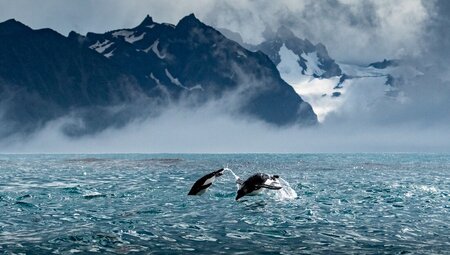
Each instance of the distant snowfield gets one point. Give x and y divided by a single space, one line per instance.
319 93
322 94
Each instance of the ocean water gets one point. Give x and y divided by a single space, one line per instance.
138 204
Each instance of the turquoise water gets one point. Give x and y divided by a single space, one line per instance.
137 204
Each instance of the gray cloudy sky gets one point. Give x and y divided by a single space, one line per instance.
353 31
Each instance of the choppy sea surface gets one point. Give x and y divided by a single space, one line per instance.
138 204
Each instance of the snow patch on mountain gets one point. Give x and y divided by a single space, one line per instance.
123 33
312 64
241 54
154 78
197 86
178 83
291 69
128 35
101 47
174 80
154 48
288 67
109 54
133 38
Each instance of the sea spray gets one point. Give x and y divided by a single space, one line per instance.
231 171
286 193
235 176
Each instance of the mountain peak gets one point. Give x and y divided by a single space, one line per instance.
189 20
147 21
76 37
13 26
191 17
73 34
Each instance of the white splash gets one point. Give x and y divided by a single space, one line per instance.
235 176
231 171
286 193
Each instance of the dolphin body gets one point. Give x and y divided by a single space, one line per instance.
202 184
255 183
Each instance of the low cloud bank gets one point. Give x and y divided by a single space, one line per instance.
209 130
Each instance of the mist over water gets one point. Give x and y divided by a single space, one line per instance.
210 130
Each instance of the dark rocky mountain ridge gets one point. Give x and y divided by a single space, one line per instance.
44 75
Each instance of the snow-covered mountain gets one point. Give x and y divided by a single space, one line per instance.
330 86
312 60
357 86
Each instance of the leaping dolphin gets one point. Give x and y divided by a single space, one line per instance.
254 184
202 184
